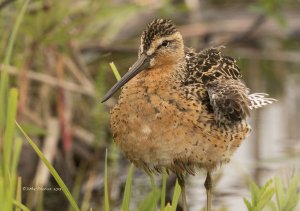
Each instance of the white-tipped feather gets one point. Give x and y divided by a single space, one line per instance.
258 100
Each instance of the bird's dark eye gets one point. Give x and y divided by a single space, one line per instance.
165 43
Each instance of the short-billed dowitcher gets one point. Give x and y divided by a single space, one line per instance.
180 109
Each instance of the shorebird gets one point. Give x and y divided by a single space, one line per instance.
179 109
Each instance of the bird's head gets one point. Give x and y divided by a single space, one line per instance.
161 44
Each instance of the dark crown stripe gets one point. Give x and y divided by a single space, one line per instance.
157 28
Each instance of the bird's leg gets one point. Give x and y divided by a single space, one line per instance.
181 182
208 187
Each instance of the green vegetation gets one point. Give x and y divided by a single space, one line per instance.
259 197
52 170
262 198
55 59
287 198
10 143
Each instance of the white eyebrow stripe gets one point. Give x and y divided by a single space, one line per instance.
157 42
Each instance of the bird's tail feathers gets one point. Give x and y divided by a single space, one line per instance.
258 100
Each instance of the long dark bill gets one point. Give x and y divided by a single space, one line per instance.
141 64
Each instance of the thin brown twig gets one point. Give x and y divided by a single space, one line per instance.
23 81
61 103
70 65
93 47
52 81
76 54
83 135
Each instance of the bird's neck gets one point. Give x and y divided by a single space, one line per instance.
164 72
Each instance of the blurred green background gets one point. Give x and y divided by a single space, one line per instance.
60 65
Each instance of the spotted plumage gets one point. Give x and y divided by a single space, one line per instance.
221 78
180 109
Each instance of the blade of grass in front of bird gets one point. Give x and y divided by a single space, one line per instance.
176 194
127 191
115 71
51 169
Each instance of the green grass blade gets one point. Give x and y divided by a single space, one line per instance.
77 184
279 192
127 191
248 204
15 161
40 202
254 193
292 196
150 201
152 182
271 206
8 53
52 170
20 205
115 71
155 191
88 192
163 190
176 194
16 155
168 207
12 38
265 198
9 132
19 193
3 200
3 91
106 196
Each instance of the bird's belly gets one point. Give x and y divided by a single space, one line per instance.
155 132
